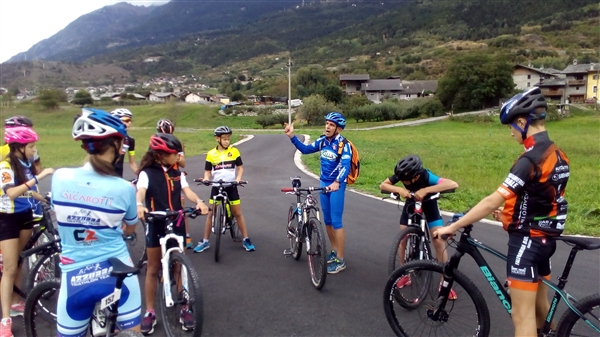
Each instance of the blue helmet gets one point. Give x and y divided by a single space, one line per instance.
337 118
98 124
523 104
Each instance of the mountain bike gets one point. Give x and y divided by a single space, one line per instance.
179 283
136 242
41 305
222 219
304 225
469 314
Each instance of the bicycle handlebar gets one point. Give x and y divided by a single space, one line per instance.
189 212
434 196
220 182
308 189
39 248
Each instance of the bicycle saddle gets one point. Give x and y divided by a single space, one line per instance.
121 269
582 243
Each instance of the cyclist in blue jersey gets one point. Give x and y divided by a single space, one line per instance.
421 182
333 176
19 177
91 204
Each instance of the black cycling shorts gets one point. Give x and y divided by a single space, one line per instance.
430 210
232 194
157 229
528 258
11 224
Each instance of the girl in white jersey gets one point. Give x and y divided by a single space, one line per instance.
91 203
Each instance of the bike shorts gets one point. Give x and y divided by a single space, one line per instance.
82 288
431 211
332 204
156 230
11 224
232 194
528 259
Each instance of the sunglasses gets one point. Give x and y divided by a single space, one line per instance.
126 120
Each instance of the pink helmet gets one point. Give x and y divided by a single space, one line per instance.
20 134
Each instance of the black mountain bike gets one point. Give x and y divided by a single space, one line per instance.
40 308
436 315
304 226
222 219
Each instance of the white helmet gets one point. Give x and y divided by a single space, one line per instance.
97 124
122 113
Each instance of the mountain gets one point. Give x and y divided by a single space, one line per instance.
79 39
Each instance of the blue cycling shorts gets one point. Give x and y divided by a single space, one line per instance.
332 204
83 287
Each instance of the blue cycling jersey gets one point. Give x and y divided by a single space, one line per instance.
90 209
332 168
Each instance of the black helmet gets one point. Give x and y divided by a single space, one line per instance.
524 103
222 130
165 142
15 121
408 167
165 126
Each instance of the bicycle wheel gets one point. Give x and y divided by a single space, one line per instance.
218 223
571 324
236 234
316 250
292 233
47 267
187 295
130 333
467 315
40 309
44 237
415 243
136 244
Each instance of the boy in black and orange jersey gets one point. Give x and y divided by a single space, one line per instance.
534 209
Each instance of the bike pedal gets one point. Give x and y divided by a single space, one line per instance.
287 253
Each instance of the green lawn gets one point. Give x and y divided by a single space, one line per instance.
478 157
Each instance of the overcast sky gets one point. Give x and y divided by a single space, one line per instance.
24 23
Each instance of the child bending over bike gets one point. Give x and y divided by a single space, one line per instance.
91 204
225 163
159 186
419 183
534 209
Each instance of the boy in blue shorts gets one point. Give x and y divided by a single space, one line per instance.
418 184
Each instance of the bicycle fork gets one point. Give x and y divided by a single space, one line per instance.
166 253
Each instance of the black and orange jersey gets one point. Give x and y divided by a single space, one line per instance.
534 189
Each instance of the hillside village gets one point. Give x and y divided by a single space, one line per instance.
577 83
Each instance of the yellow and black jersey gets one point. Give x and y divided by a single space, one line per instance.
223 163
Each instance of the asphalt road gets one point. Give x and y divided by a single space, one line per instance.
263 293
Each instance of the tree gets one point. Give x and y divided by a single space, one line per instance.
237 97
475 80
333 94
82 97
51 98
315 108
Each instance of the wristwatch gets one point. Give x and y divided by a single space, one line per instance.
140 204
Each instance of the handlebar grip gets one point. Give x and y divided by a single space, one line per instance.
287 189
445 237
39 248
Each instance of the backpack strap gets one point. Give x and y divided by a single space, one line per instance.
341 147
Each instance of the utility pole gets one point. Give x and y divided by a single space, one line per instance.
289 64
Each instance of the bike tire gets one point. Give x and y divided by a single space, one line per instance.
476 322
137 246
218 223
414 243
129 333
192 297
46 267
295 238
590 307
236 234
317 255
44 237
40 312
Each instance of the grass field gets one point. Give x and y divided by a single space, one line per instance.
478 157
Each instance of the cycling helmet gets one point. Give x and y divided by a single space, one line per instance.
524 103
165 126
18 121
97 124
222 130
20 134
408 167
165 142
122 113
337 118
